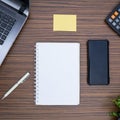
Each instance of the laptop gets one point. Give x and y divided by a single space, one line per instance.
13 15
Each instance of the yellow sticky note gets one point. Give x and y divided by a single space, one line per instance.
62 22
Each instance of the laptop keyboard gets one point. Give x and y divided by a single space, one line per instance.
6 24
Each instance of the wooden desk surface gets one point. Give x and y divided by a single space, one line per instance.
95 100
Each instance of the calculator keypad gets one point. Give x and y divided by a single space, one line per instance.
113 19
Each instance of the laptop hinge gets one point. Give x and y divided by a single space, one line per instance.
22 9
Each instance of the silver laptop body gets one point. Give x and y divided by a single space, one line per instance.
13 15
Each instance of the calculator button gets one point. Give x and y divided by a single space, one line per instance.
119 10
119 16
114 24
117 27
113 16
110 20
116 13
117 20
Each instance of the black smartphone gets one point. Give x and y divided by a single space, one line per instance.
98 62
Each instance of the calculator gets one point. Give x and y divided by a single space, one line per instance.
113 19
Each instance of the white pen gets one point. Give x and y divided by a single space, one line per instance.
16 85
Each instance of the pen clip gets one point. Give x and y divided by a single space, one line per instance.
25 77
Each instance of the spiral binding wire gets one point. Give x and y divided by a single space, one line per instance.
36 83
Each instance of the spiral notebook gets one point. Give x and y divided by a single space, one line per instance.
57 69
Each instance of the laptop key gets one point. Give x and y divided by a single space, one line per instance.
6 32
1 42
0 34
4 25
5 20
11 19
12 23
3 37
1 30
9 28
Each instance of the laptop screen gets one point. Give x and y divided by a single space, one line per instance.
26 2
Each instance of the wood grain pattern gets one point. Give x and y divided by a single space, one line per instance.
95 100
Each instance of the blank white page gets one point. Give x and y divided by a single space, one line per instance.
57 73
